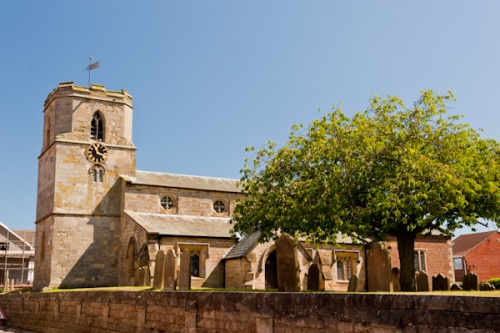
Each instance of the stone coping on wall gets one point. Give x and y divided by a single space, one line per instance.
151 311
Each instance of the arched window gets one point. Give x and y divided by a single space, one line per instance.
97 127
97 172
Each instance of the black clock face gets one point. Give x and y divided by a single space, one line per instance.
97 153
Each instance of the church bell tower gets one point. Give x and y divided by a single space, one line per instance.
87 146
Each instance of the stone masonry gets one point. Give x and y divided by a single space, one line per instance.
224 312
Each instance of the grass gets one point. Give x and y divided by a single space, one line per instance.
474 293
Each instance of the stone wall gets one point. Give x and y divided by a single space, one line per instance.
107 311
144 198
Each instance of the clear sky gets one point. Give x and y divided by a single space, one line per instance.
209 78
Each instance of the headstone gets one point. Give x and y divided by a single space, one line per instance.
440 282
140 280
137 276
185 271
142 276
313 277
379 268
396 286
158 279
353 284
288 264
471 282
484 286
170 271
455 287
422 281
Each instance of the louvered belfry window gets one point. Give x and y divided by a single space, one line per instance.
97 128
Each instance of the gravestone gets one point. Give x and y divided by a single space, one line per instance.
185 271
379 268
471 282
313 277
158 279
455 287
440 282
353 284
145 281
484 286
422 281
142 276
396 286
288 264
170 274
136 277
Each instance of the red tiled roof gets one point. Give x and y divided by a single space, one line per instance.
465 243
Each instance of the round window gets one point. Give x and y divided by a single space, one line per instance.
219 206
167 202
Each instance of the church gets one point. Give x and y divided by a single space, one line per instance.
99 220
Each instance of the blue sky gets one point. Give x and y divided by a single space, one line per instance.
212 77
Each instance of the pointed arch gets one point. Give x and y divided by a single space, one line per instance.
271 271
143 256
132 262
97 127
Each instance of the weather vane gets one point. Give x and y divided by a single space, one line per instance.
91 66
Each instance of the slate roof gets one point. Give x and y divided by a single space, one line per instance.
184 181
463 244
182 225
243 246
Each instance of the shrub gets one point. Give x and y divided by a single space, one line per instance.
495 282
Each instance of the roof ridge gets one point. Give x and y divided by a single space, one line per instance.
187 175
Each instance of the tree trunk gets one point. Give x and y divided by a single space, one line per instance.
406 249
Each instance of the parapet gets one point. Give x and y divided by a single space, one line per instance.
95 91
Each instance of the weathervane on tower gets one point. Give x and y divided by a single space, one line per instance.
91 66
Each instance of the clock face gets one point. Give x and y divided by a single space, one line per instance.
97 153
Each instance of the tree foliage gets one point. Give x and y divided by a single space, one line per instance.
387 171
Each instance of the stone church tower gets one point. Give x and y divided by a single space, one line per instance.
87 146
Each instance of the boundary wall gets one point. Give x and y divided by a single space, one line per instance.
147 311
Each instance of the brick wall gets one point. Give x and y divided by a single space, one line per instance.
438 255
107 311
484 260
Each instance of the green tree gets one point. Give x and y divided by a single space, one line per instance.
387 171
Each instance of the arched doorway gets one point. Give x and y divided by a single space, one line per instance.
313 277
271 271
